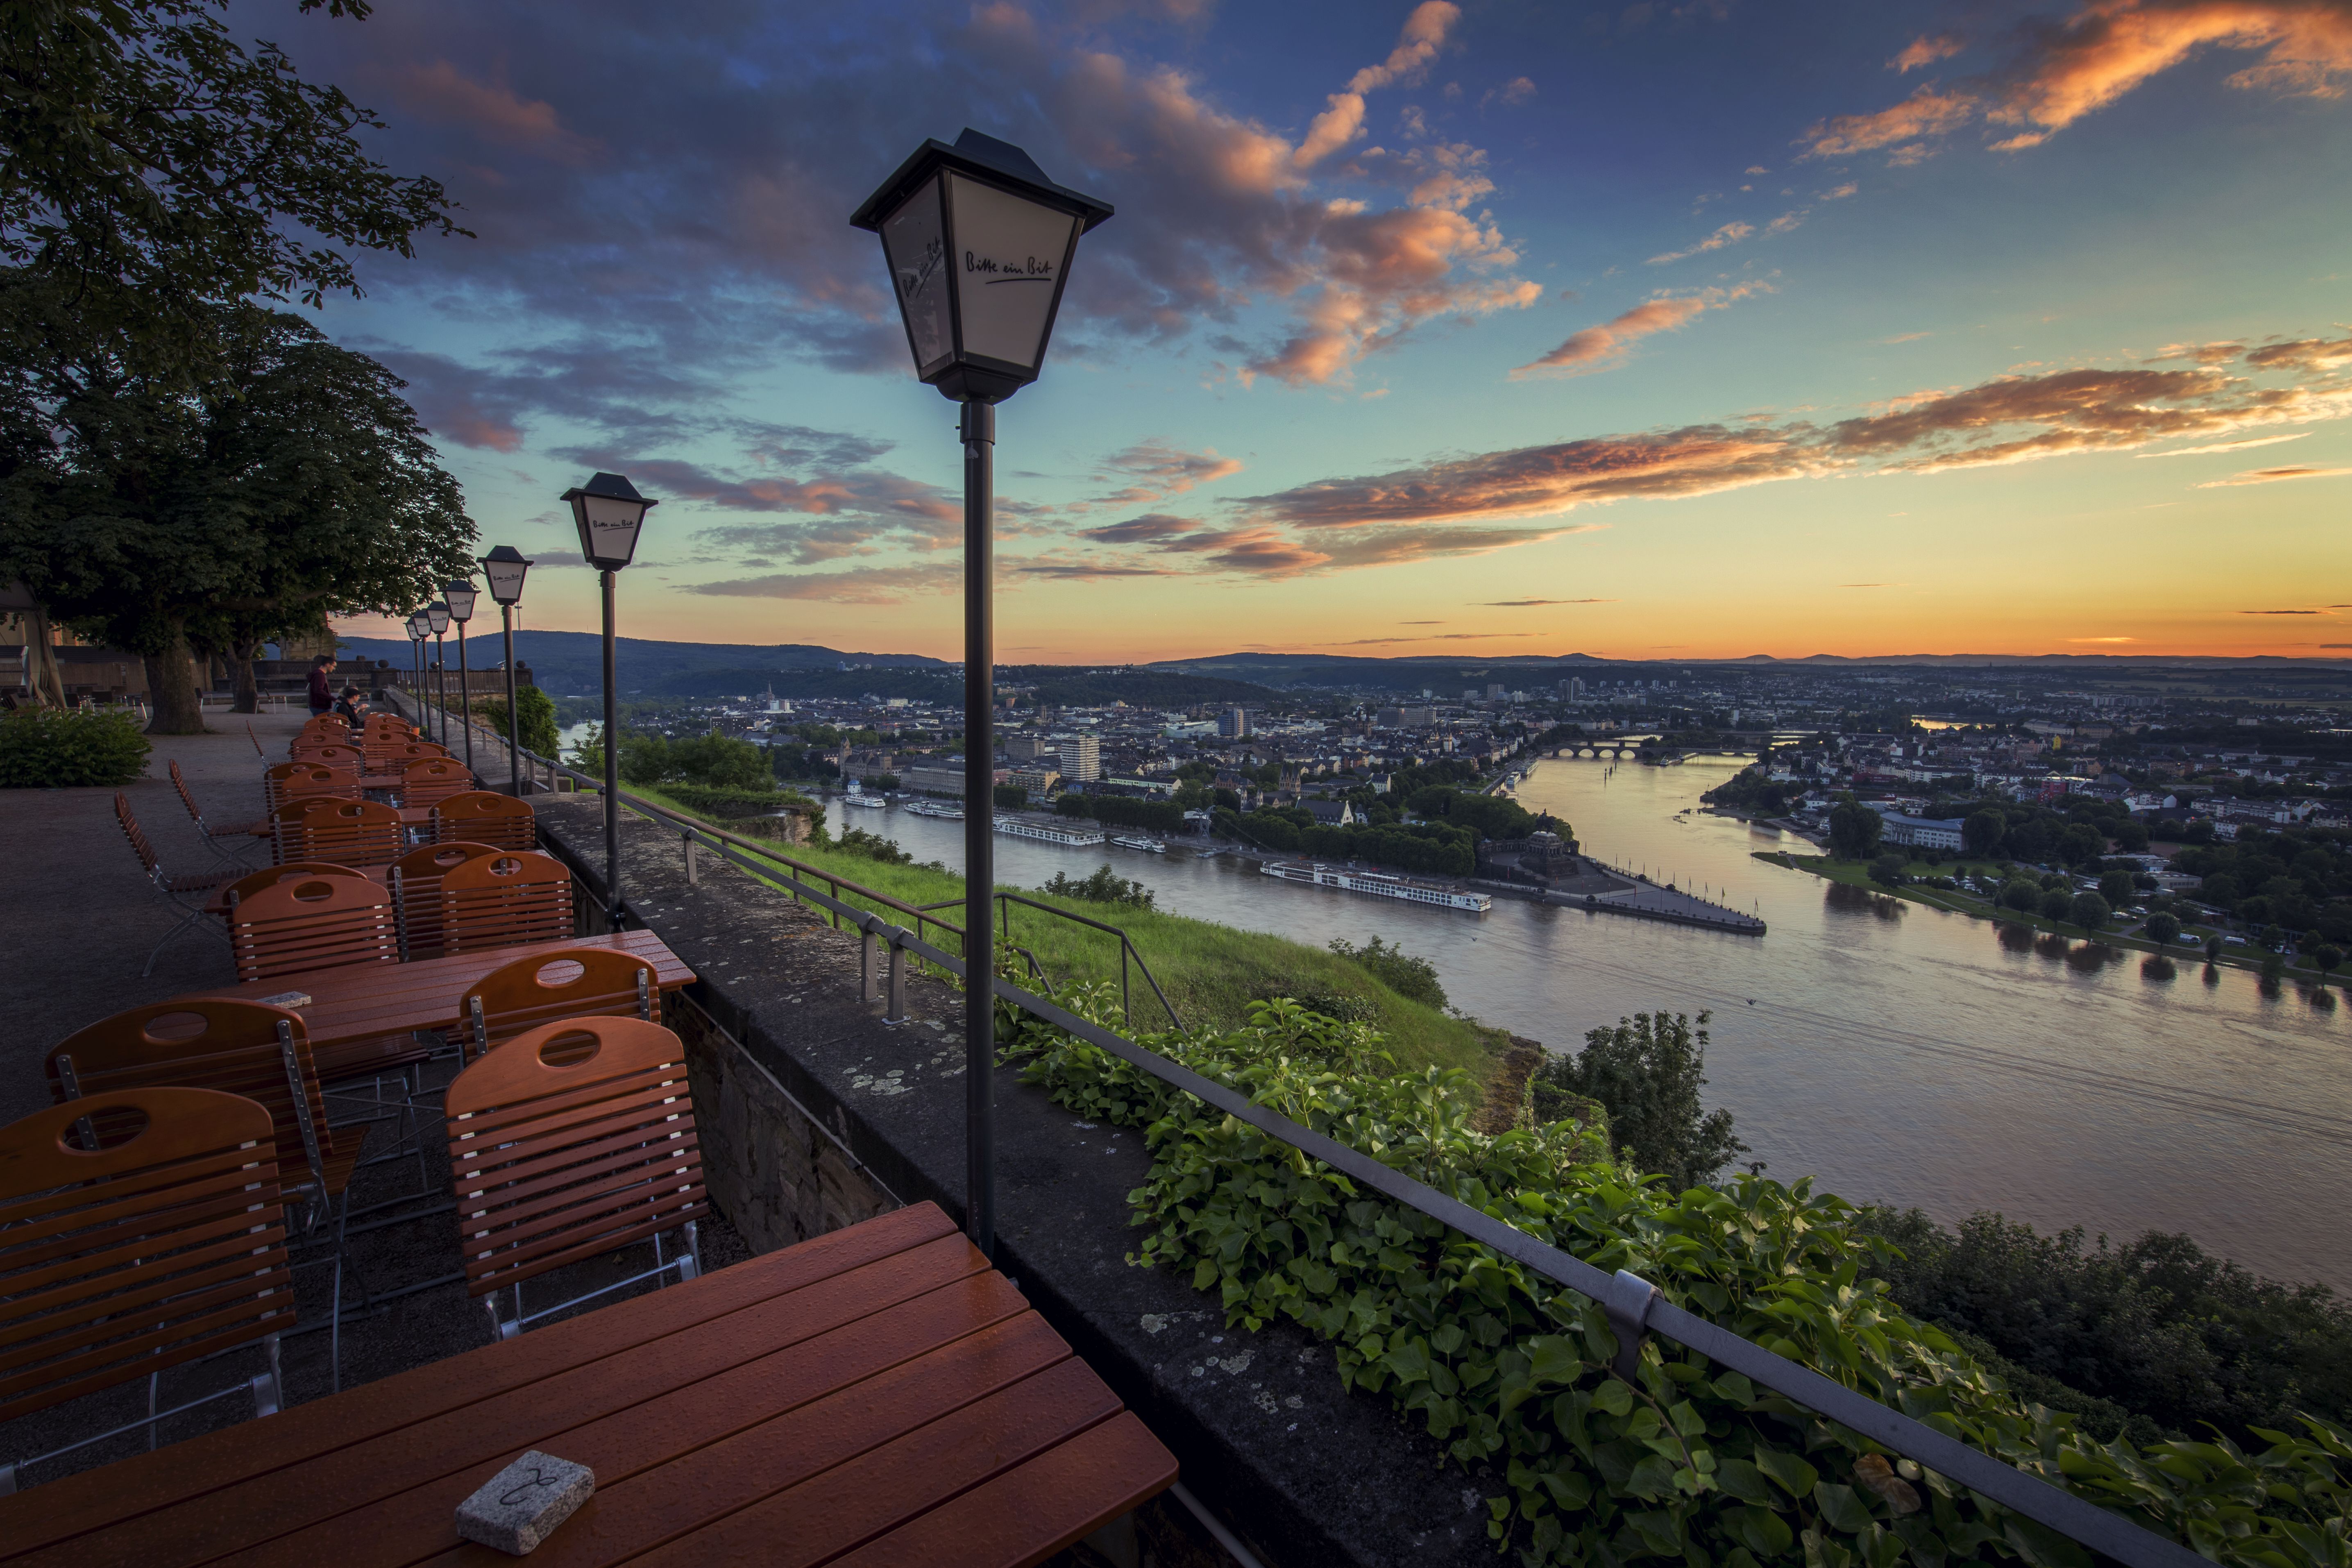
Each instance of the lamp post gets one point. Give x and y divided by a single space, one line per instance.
609 513
436 615
419 629
979 244
460 597
505 566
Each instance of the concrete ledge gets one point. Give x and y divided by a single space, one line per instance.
815 1112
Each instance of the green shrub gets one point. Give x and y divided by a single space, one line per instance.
1400 971
1509 1370
41 747
536 726
1104 887
1646 1073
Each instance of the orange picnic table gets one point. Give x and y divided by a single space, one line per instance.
362 1016
875 1395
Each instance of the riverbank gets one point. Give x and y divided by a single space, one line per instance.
2120 934
1210 972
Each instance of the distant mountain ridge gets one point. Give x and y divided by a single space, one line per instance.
572 663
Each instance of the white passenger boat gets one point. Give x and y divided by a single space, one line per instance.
854 798
1133 841
1046 831
935 808
1379 885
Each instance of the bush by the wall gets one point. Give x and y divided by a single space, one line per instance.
42 748
1688 1462
535 718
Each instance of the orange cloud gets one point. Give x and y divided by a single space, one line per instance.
2273 477
1343 122
2105 51
1730 234
1606 346
1925 51
492 110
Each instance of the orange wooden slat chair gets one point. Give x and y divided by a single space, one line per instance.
252 882
429 781
327 755
415 883
516 998
570 1141
312 923
481 817
341 832
232 841
124 1261
307 781
187 895
504 900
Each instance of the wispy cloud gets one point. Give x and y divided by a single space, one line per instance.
1525 604
1730 234
2241 445
2273 477
1607 346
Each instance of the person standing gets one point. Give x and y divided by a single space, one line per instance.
322 692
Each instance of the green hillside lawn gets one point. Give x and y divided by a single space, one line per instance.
1211 973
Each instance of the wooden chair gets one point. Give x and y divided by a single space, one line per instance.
307 781
504 900
312 923
258 750
428 780
252 882
340 832
480 816
575 1138
415 884
232 841
515 998
186 895
243 1049
332 755
125 1260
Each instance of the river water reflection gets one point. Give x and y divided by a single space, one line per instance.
1897 1052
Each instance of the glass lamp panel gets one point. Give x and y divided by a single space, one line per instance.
436 615
608 528
1010 256
506 579
460 595
915 244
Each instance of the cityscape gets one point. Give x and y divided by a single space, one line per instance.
1591 803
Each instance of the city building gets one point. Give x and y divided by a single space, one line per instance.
1080 759
930 779
1233 723
1038 781
1027 748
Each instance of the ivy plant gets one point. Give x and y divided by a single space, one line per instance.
1510 1371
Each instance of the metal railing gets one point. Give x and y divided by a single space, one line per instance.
1635 1308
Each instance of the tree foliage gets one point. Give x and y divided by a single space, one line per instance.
156 169
1646 1073
1855 829
1105 885
288 482
1408 975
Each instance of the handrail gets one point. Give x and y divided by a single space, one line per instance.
1634 1306
1005 899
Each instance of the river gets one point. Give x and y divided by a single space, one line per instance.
1900 1054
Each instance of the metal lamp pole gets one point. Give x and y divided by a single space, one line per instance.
610 514
460 595
979 244
612 767
439 614
505 567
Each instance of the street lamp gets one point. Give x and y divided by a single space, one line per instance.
979 243
436 615
460 595
505 567
609 513
419 629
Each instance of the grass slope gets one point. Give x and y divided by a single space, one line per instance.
1211 973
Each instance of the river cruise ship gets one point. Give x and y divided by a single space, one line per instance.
1379 885
1047 832
1135 841
935 808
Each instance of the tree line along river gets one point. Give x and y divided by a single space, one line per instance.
1898 1053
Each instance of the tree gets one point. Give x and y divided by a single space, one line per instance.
1855 829
2163 929
2089 910
2057 904
2327 957
154 170
1888 868
2116 887
1410 976
288 482
2020 895
1647 1072
2080 843
1982 832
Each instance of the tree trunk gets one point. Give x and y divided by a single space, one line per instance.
249 691
172 686
41 656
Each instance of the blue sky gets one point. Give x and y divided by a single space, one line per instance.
1701 330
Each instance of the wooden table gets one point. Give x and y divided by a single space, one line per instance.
876 1395
362 1016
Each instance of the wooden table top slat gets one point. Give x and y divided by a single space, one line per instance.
1026 1514
649 1435
852 1504
62 1510
250 1513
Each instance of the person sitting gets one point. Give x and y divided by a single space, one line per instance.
352 707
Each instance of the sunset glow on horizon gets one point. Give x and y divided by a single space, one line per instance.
1465 330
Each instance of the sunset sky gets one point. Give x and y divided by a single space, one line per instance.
1661 330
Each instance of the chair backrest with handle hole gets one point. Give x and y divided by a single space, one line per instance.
307 780
314 923
482 816
247 1049
570 1141
574 983
415 883
245 887
428 780
343 832
504 900
120 1261
333 754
